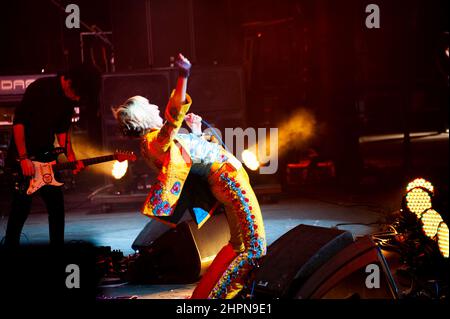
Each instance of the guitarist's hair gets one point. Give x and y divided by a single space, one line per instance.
136 116
86 82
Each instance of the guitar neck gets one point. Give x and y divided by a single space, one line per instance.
86 162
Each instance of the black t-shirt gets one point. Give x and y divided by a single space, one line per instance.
44 111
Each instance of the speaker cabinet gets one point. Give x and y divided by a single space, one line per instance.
218 96
311 262
295 256
179 255
346 275
151 232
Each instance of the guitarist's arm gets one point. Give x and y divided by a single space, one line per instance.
64 139
22 118
19 139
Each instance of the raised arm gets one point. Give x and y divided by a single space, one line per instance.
184 67
178 105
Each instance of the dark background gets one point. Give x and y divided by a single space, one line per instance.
317 55
255 64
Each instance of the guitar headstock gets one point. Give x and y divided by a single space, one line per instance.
124 156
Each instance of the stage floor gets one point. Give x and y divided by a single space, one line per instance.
120 227
377 197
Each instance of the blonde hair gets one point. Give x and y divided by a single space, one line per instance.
137 115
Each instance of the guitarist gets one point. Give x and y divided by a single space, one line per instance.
45 112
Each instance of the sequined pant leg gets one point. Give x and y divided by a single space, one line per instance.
233 190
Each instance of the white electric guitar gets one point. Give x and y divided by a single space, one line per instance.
44 171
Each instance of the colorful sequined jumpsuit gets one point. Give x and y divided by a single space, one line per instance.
230 185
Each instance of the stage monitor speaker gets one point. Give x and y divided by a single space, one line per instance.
296 255
311 262
151 232
179 255
359 271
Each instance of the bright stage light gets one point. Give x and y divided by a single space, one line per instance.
430 222
443 239
250 160
418 200
420 182
119 169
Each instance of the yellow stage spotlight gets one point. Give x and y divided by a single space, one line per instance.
430 222
418 200
443 239
420 182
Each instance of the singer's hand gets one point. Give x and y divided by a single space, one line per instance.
183 65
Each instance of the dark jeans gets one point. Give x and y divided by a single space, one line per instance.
21 206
